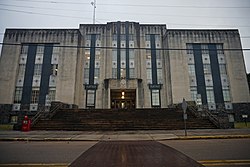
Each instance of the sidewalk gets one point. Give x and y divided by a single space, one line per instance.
124 135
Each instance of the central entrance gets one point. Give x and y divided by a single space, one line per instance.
123 99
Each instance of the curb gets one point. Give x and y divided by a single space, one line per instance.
96 140
214 137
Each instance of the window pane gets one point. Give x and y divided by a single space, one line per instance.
52 94
97 73
149 73
191 69
155 97
189 49
90 98
114 55
210 95
21 69
114 73
207 68
86 73
226 95
18 95
34 95
40 48
24 49
159 73
223 69
38 69
132 73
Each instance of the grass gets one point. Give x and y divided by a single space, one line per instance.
241 125
6 127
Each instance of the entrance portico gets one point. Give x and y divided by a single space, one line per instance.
123 99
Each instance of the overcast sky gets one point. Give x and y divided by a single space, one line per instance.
175 14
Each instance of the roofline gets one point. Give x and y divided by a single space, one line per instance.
196 29
40 29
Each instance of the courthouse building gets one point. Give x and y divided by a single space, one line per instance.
122 65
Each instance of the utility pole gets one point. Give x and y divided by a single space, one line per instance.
94 5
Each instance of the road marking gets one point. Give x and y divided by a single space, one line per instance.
224 162
36 165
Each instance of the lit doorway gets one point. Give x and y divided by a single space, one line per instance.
123 99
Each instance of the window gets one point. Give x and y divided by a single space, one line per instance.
13 119
159 74
37 69
147 37
190 49
24 49
90 98
18 95
40 49
88 37
191 69
131 37
223 69
131 54
114 37
158 54
114 55
87 54
193 91
35 95
204 49
220 49
86 73
123 37
114 73
155 95
97 73
52 94
207 68
157 38
210 95
54 69
149 73
131 73
21 70
226 95
56 49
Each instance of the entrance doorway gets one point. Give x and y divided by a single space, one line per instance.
123 99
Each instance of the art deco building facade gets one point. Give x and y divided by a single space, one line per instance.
122 65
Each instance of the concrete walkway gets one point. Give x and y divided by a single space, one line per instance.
123 135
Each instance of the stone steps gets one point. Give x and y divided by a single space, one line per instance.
147 119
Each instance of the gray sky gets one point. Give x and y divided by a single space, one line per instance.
175 14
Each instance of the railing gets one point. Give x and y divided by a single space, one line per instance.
213 119
54 110
193 108
42 112
37 116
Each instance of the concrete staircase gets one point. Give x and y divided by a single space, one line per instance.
107 119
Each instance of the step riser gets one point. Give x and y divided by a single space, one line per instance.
147 119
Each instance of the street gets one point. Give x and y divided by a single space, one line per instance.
212 152
217 150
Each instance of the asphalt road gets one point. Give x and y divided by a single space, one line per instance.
212 152
215 152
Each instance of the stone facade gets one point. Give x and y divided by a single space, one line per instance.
120 65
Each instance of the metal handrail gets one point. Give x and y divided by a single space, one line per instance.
213 118
42 112
54 110
35 118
